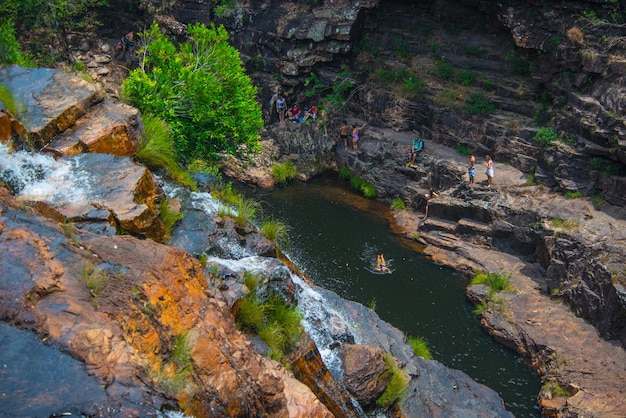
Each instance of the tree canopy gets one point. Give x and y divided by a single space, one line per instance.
200 89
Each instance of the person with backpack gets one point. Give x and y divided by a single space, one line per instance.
416 148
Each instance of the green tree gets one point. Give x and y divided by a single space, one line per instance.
200 89
51 20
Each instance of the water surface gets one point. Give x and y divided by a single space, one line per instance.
335 237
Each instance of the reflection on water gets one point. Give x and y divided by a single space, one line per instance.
335 237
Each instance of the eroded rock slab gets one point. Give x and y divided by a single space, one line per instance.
52 100
109 128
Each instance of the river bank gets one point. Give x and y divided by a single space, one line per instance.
516 228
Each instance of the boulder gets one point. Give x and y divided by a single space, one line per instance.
365 372
53 100
109 128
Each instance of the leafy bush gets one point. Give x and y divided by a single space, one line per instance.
444 70
156 151
545 136
200 90
284 172
10 49
420 347
478 103
463 150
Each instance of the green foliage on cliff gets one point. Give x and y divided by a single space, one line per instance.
200 89
545 136
496 282
420 347
156 151
276 231
272 319
10 49
284 172
51 20
397 386
358 183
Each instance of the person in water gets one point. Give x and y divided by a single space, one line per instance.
381 264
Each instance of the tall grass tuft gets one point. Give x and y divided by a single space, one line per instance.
284 172
246 211
156 151
496 282
420 347
250 314
357 183
397 386
251 280
397 204
96 280
169 217
276 231
276 322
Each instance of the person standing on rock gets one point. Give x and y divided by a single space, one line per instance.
344 132
281 108
471 170
355 135
489 170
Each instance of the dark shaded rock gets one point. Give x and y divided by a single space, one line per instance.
38 380
364 372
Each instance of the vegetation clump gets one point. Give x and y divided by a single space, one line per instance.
156 151
200 89
271 318
284 172
276 231
398 384
420 347
368 190
169 217
545 136
398 204
496 282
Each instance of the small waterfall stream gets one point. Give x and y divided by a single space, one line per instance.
66 180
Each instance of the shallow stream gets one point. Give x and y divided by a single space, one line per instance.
335 237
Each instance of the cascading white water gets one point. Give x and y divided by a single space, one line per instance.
319 321
33 176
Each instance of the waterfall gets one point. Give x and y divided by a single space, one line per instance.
32 176
324 325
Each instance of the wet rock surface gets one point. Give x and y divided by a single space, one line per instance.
38 380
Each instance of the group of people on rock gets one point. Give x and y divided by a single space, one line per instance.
471 170
296 115
351 134
345 131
